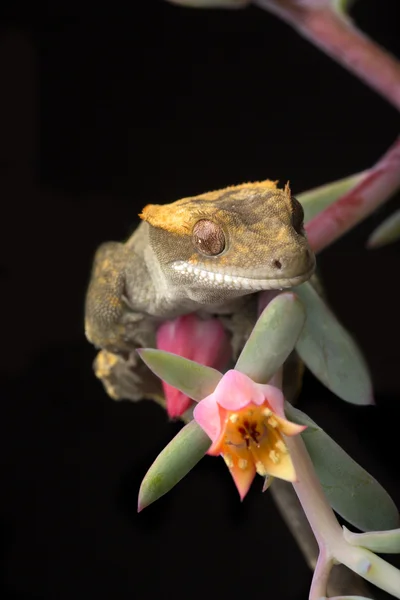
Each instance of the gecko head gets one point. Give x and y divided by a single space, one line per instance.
243 238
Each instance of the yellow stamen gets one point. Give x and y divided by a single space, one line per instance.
260 468
234 417
243 463
273 422
228 460
281 446
274 457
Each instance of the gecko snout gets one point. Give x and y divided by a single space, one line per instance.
294 264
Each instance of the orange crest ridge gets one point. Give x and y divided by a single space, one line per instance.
174 217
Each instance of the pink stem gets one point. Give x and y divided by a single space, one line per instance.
312 498
378 185
320 578
335 34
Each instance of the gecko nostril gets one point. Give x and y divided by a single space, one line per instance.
277 264
310 255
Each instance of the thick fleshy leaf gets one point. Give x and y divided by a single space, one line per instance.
273 338
316 200
384 542
377 186
176 460
191 378
330 352
352 492
387 232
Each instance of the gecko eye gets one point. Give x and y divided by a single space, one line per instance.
297 215
208 238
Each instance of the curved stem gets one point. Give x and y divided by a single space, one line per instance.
335 34
313 500
328 533
370 566
342 580
321 575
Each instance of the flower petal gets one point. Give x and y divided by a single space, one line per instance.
203 341
273 463
177 401
289 428
243 478
274 398
236 390
243 420
207 414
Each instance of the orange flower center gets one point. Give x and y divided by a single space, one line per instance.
252 439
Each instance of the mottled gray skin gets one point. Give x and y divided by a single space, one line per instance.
256 242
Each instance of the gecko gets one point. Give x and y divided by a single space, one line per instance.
210 254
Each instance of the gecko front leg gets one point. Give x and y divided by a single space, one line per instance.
127 379
112 324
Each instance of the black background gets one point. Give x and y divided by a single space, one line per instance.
106 109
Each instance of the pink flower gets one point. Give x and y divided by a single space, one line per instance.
246 423
203 341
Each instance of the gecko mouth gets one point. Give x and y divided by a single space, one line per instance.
238 282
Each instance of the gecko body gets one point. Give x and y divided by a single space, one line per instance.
208 254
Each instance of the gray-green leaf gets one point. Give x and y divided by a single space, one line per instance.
172 464
387 232
352 492
188 376
384 542
273 338
330 352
